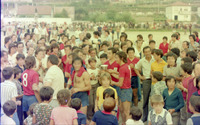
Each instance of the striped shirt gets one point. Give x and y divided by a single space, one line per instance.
8 91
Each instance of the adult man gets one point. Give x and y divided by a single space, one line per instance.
54 78
144 66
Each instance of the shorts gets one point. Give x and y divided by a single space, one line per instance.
117 89
83 96
27 101
126 95
134 82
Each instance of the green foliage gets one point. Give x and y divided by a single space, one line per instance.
81 14
160 17
63 14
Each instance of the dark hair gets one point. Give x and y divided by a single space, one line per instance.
122 55
108 92
30 62
88 35
130 42
122 35
168 78
109 104
68 46
165 38
192 55
114 50
171 54
92 49
140 36
53 59
135 113
197 82
37 51
104 55
52 41
158 52
26 34
195 102
9 107
157 75
105 43
16 71
187 67
74 55
11 45
48 48
187 43
146 47
19 44
107 32
150 35
7 72
193 36
84 39
76 103
7 39
91 60
187 60
96 33
174 35
176 51
123 44
55 45
77 59
74 48
196 33
152 41
116 44
129 49
46 93
63 96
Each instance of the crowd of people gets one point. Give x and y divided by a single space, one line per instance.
52 76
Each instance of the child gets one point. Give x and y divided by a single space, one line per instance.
159 115
105 117
135 116
42 111
164 46
173 99
20 58
105 80
93 72
104 48
103 58
29 119
76 104
194 106
152 44
39 54
30 81
63 115
67 52
9 108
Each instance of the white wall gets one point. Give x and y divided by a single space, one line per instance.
30 20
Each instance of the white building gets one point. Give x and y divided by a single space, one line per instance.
178 11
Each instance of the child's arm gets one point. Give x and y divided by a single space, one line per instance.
75 122
20 96
34 119
51 122
92 123
120 83
96 104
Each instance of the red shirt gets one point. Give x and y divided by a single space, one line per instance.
134 61
164 48
62 46
29 77
191 90
68 68
113 66
64 58
125 72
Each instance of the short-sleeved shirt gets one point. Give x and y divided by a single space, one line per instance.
99 93
81 118
164 48
64 58
104 118
42 113
168 116
191 90
68 68
125 72
19 86
114 66
185 85
95 72
5 120
173 71
29 77
133 122
63 115
191 47
134 62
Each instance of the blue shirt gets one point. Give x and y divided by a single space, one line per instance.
196 93
81 118
173 101
102 118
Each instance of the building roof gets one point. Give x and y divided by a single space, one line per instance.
30 10
178 3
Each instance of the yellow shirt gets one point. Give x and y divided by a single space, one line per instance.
99 95
155 66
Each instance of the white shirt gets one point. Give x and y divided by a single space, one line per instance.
132 122
95 72
12 59
145 66
5 120
55 76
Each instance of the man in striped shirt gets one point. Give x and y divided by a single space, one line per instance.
9 90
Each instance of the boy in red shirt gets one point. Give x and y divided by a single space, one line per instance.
30 81
164 45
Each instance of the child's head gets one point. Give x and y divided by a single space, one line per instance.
20 59
105 79
30 51
157 54
121 57
116 45
186 69
186 60
30 110
165 39
109 104
108 93
104 46
183 53
170 82
30 62
176 51
194 104
135 113
124 47
174 37
192 55
71 56
103 58
8 73
152 44
111 52
77 63
17 73
157 76
46 93
129 43
131 52
157 103
92 52
76 104
55 48
9 107
198 83
150 36
171 58
39 54
92 62
63 96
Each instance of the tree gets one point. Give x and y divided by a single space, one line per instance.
63 14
